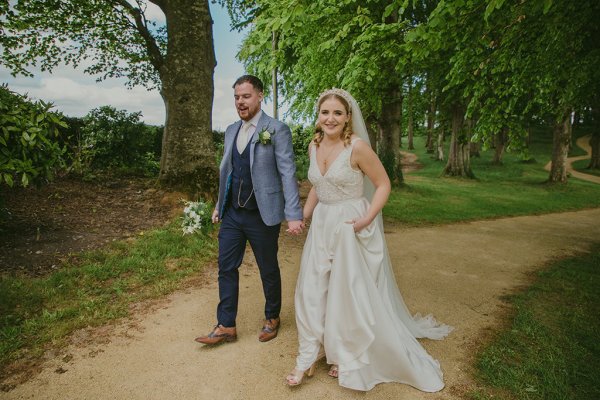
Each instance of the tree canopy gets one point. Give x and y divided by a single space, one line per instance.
491 67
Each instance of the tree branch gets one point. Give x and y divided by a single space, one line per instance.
156 57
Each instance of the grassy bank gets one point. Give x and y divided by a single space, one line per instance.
551 347
582 166
95 288
513 188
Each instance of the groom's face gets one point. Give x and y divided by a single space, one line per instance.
247 100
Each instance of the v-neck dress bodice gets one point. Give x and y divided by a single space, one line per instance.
340 182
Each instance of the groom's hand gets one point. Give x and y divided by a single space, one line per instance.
295 227
215 216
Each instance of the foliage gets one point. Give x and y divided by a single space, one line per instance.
112 138
510 65
551 348
109 38
98 288
357 48
30 147
301 138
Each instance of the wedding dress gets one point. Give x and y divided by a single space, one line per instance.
346 297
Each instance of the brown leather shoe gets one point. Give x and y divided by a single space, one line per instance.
269 329
219 334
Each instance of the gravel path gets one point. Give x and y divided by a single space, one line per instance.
459 272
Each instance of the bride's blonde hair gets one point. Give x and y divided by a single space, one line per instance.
339 95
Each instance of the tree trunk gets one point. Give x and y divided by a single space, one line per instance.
595 139
371 123
391 129
474 147
500 140
430 124
441 136
188 157
560 150
459 162
595 145
576 119
411 145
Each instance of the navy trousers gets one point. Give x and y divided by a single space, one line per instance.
238 226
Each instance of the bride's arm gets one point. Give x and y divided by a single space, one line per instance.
368 162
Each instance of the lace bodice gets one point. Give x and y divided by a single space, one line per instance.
340 182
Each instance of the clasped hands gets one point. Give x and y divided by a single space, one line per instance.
294 227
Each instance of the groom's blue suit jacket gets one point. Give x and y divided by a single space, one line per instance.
273 171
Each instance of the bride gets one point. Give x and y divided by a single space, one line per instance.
347 300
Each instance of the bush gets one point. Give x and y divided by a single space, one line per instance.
113 139
301 137
30 146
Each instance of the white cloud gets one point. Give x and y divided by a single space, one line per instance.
74 93
154 13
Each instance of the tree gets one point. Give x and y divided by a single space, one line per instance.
595 139
114 38
30 149
358 48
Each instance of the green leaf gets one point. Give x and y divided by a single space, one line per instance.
9 180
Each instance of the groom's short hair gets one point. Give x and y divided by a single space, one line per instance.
253 80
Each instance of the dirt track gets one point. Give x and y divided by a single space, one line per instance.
584 143
457 272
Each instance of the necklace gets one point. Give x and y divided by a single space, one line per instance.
326 158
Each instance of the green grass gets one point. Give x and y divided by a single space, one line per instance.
514 188
95 288
551 347
582 165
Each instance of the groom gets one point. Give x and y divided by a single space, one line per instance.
257 190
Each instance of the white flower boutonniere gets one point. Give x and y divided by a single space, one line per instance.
264 137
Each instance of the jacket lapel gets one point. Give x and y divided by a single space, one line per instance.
230 136
263 123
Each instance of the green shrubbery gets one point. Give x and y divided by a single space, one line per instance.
301 137
30 147
35 142
107 139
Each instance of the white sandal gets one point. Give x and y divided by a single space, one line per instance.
295 377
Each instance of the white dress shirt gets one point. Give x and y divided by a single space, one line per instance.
246 131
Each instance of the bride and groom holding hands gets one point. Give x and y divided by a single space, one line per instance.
348 307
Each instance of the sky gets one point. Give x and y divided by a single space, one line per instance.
75 93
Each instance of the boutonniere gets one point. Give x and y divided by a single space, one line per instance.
264 136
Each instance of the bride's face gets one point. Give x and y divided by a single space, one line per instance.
333 117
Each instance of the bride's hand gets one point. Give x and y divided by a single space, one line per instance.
359 223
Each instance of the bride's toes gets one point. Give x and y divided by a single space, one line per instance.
294 378
333 371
